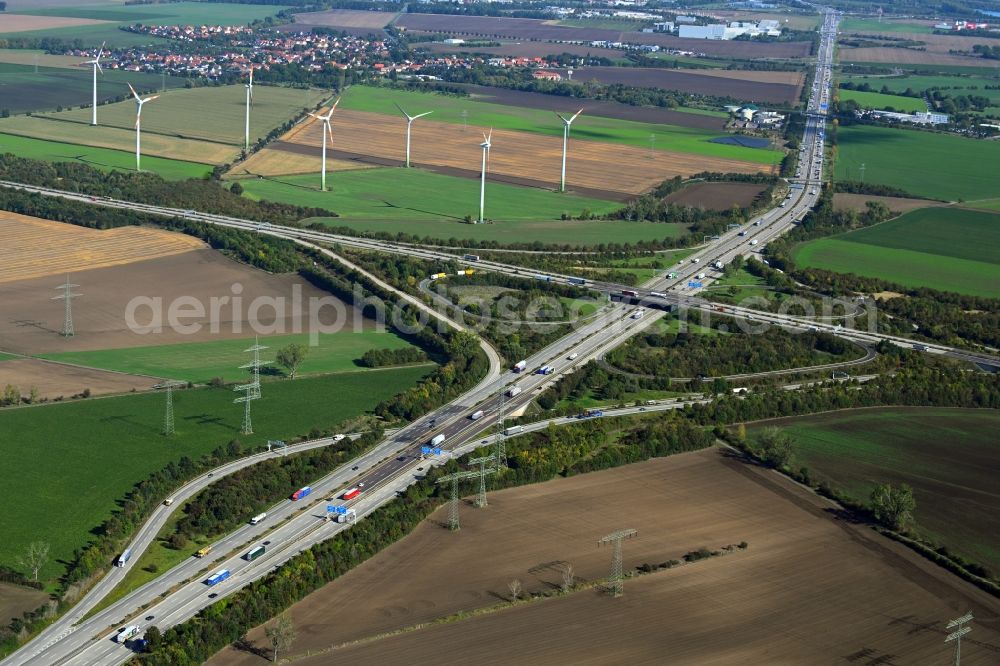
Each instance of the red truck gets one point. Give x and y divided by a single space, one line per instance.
352 493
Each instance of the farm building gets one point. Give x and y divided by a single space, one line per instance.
546 75
730 31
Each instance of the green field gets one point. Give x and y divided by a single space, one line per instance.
180 13
948 456
71 461
100 158
432 205
951 249
448 109
212 113
874 25
874 100
949 85
22 89
199 362
941 166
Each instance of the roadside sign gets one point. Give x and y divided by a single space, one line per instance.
339 510
694 285
430 450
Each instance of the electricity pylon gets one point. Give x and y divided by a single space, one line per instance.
252 389
483 471
68 296
958 624
615 539
168 415
254 365
453 504
501 452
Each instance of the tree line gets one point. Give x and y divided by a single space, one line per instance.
380 358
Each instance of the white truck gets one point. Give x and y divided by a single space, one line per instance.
753 242
572 357
637 314
513 390
520 366
718 265
259 517
476 415
437 440
128 632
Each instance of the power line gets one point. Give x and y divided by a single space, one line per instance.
252 390
168 414
483 462
68 296
615 539
453 523
958 624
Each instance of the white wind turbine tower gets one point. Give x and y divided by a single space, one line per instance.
409 124
326 130
246 126
96 66
138 120
485 145
566 124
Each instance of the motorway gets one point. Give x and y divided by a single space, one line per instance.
395 463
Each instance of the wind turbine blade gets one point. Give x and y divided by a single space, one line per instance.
575 115
101 52
150 99
99 68
134 93
334 107
421 115
312 114
560 116
402 111
489 139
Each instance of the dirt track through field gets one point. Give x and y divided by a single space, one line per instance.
810 589
34 247
519 155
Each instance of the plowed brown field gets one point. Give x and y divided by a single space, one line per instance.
58 379
34 247
716 196
519 155
911 57
25 23
810 589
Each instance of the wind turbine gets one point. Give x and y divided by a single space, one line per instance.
246 127
138 120
409 124
326 130
485 145
566 124
96 66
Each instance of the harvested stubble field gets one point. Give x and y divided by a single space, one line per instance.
717 196
14 23
41 58
935 43
213 114
775 87
273 161
119 139
810 589
517 157
535 29
30 322
59 379
37 248
526 50
857 202
910 57
347 20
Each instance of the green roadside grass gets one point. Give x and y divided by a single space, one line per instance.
72 461
104 159
449 109
199 362
948 456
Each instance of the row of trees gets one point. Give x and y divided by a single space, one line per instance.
380 358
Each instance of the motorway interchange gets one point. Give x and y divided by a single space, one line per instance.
396 462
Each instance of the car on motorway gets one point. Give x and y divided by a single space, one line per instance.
354 469
150 617
213 595
420 469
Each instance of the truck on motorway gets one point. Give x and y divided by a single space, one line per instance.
351 494
464 271
259 517
629 292
590 413
300 493
471 257
513 430
543 278
254 553
545 370
123 558
513 390
758 223
576 280
637 314
520 366
128 632
695 260
700 276
217 577
437 440
476 415
168 501
657 294
572 356
203 552
718 265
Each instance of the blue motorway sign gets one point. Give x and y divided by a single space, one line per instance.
694 285
427 451
341 510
